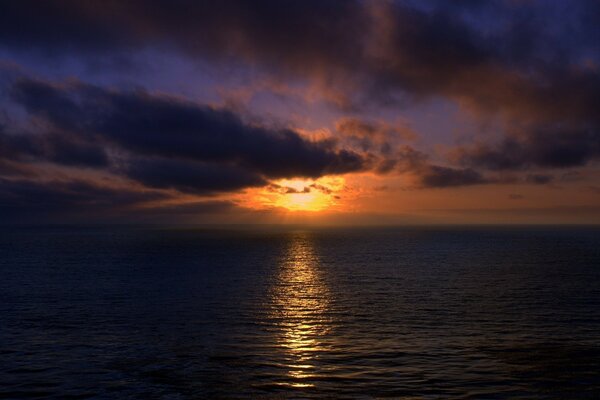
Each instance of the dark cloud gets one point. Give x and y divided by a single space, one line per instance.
191 177
166 127
406 159
183 144
33 201
194 212
539 179
291 190
522 63
321 188
429 175
52 147
157 141
571 176
213 27
550 148
10 168
24 200
373 136
165 145
436 176
282 189
501 59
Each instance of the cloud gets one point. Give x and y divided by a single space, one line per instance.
539 179
497 59
141 152
436 176
34 201
427 174
368 133
283 189
184 212
520 64
27 200
168 142
191 177
539 147
378 140
52 147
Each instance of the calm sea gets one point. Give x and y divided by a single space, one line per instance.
182 313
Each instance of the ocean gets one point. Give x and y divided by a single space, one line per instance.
227 313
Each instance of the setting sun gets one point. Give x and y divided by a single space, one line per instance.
300 195
297 194
304 201
300 199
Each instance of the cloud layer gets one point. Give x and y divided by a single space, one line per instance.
530 68
157 141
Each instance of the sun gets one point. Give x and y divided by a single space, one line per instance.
297 195
311 200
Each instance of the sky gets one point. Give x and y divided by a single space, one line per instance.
313 111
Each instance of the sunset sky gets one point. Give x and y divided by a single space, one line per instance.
313 111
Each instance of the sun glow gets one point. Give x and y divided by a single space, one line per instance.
297 194
301 197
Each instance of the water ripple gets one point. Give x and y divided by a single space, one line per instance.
412 313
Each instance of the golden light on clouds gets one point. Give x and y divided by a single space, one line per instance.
299 195
309 195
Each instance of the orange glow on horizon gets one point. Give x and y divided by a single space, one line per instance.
302 200
297 195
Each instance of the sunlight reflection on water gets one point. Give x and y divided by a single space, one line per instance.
403 313
300 304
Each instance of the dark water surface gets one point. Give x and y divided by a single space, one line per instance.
190 313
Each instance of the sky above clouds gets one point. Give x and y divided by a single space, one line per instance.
328 111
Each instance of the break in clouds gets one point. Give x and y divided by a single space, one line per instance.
86 147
